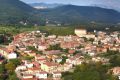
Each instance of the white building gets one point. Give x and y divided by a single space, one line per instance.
57 74
42 47
42 75
12 55
21 68
80 32
27 76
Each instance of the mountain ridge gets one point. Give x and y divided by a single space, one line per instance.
15 11
74 14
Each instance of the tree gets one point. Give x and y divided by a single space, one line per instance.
10 67
2 69
91 71
1 39
115 60
2 77
54 47
15 61
34 49
67 76
91 39
28 58
13 77
63 59
87 75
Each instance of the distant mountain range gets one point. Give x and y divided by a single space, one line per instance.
76 14
15 12
53 5
115 7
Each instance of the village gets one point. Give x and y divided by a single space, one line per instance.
48 56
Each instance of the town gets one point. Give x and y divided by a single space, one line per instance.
47 57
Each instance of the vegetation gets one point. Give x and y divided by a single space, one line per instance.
17 12
2 69
54 47
95 71
7 70
10 67
13 76
34 49
28 58
89 72
71 14
63 59
61 30
5 38
114 57
16 62
13 30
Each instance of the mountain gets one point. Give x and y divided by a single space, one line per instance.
44 5
115 7
15 11
71 14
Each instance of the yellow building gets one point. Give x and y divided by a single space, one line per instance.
4 52
49 67
80 32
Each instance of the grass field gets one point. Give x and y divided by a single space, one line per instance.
48 29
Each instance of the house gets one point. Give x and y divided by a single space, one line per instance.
80 32
29 64
36 64
42 47
69 45
22 67
12 55
1 61
30 79
57 74
27 76
4 52
74 61
100 59
91 53
41 75
67 66
116 71
58 60
34 70
52 36
71 60
32 53
52 52
49 66
71 51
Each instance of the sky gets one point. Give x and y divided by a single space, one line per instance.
80 2
112 4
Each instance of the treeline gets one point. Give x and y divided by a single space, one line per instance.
95 71
57 30
86 71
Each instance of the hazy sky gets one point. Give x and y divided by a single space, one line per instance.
62 1
78 2
115 4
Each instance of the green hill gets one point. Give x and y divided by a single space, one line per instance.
14 11
81 14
